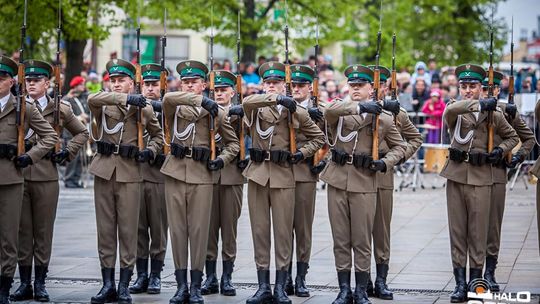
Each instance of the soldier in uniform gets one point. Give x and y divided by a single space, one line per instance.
306 177
271 182
118 175
189 173
498 190
535 170
41 186
352 178
11 165
385 189
152 239
469 170
227 198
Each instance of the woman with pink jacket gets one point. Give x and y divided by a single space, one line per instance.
434 108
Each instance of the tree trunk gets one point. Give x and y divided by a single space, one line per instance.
249 50
74 64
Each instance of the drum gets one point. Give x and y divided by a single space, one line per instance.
435 156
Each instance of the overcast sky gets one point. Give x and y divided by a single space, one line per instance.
525 14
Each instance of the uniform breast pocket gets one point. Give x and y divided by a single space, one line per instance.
111 114
11 121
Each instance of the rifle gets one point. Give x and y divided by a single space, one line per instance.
21 102
239 94
511 79
57 83
211 92
315 97
140 142
163 86
288 84
376 87
393 81
491 128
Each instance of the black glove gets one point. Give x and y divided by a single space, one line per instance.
392 106
377 165
242 163
516 160
511 110
23 161
156 105
236 110
488 104
145 155
216 164
136 100
318 167
495 156
287 102
315 114
60 156
210 106
372 107
296 157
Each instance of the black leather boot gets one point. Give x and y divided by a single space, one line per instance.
141 283
300 288
263 295
360 295
345 292
5 286
182 292
460 292
475 273
489 273
370 290
226 286
25 291
381 289
289 287
280 296
211 284
154 281
195 296
124 297
40 292
107 294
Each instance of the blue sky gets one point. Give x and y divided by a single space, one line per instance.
525 14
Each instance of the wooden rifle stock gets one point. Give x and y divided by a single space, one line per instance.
292 133
211 120
241 133
21 105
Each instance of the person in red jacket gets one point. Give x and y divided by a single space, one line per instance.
434 107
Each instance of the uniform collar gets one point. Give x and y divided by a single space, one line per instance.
305 103
4 100
42 102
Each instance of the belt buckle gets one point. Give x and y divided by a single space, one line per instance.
267 157
116 149
466 157
189 153
350 159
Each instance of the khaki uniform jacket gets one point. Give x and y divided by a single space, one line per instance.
46 169
113 107
465 173
8 136
230 174
262 109
348 177
186 107
526 137
535 170
414 140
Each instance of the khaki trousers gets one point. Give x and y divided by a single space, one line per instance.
11 197
496 212
304 212
381 226
152 239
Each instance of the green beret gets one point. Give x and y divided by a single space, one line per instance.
497 78
385 72
224 78
37 69
151 72
358 74
272 70
8 66
470 73
191 69
302 73
119 67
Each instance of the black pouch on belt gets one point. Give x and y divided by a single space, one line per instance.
257 155
200 154
178 150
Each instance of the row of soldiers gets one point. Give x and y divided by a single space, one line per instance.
141 193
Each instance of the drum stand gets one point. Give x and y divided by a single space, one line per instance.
414 173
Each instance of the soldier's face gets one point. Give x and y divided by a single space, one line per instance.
300 91
37 87
274 86
383 90
470 90
150 90
121 84
193 85
224 95
6 82
485 91
360 91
